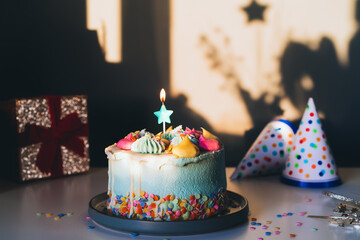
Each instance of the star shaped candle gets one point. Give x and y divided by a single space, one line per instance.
164 114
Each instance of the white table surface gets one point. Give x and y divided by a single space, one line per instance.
267 197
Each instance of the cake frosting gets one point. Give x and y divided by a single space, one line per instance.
167 176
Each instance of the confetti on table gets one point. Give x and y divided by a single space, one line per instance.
134 234
48 214
252 228
91 227
253 219
253 223
267 233
69 214
87 217
277 232
302 213
314 229
292 235
268 222
39 214
290 214
258 224
56 218
260 239
299 224
276 228
309 200
265 227
279 215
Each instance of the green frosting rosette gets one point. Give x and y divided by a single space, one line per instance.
148 144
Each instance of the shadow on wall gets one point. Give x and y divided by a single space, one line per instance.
335 90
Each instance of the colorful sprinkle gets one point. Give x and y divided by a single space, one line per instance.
48 214
299 224
268 222
134 234
260 238
314 229
87 217
69 214
264 227
252 228
39 214
91 227
277 232
292 235
309 200
276 228
279 215
267 233
253 219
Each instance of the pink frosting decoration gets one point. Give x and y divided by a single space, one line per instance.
125 143
208 144
193 131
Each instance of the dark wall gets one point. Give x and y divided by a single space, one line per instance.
45 48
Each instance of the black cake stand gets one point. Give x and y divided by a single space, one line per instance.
237 213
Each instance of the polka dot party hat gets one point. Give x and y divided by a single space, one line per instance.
269 152
310 163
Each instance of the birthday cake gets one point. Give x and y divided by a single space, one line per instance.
176 175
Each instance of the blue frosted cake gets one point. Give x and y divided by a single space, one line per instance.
179 175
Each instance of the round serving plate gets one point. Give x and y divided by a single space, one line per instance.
237 213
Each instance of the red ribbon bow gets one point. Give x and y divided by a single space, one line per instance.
63 132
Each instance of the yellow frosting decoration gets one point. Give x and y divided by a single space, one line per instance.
186 149
208 135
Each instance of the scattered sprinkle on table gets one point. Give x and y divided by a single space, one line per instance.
309 200
260 239
268 222
302 213
258 224
284 214
87 217
253 219
91 227
267 233
69 214
264 227
39 214
134 234
314 229
299 224
290 214
279 216
253 223
252 228
48 214
292 235
277 232
277 228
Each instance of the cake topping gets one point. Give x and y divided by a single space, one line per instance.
148 144
126 142
186 149
208 141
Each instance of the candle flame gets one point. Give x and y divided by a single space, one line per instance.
162 95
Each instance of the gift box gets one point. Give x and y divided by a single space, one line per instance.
44 137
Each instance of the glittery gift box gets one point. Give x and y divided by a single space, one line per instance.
44 137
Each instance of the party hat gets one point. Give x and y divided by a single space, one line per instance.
310 163
269 152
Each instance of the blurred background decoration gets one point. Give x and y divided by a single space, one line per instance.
229 66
